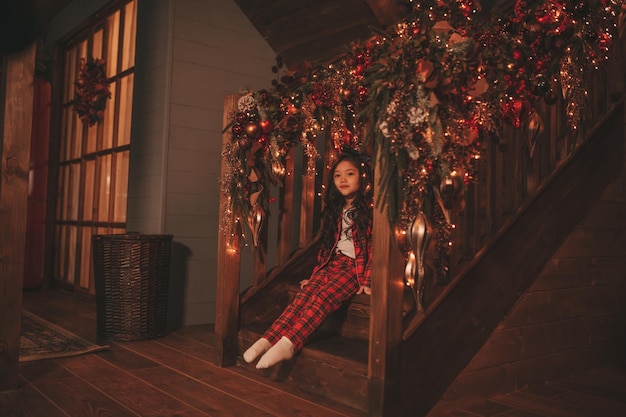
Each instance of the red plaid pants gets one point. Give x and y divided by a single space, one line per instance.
326 291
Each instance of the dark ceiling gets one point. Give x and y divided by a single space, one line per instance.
22 20
298 30
318 30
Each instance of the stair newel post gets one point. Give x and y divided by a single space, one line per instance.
228 267
386 326
308 204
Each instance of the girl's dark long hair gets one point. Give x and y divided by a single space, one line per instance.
334 201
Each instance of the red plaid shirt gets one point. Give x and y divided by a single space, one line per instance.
362 253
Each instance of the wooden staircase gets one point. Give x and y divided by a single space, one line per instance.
460 318
378 354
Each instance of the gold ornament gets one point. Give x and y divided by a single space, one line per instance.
533 130
255 222
278 169
413 242
418 235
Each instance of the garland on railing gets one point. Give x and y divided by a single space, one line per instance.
545 49
268 123
431 90
91 91
439 86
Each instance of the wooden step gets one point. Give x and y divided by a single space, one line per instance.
330 366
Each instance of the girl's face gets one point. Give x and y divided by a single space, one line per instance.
347 179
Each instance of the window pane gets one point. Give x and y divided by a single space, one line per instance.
76 137
85 259
109 119
72 67
128 57
92 137
88 195
70 75
126 109
121 186
113 36
96 45
71 252
74 192
105 188
64 125
102 231
62 184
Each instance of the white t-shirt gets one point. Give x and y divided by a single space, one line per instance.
345 245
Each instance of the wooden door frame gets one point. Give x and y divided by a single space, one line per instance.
16 110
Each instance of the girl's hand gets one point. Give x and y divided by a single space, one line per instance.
303 283
364 290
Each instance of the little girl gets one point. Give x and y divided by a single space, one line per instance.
344 263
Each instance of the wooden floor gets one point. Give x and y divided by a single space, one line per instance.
175 376
598 393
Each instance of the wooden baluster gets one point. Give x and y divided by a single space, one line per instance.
306 208
491 187
285 216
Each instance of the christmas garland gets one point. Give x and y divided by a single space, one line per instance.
91 91
431 90
268 123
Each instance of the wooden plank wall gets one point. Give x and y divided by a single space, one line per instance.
16 107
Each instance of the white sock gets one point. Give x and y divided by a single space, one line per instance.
281 351
258 348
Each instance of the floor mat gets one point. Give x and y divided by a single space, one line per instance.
41 339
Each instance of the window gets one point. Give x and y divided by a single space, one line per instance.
93 160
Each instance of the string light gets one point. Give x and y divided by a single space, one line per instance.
428 125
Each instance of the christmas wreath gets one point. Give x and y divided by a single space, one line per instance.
91 91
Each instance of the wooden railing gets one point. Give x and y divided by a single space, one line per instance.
512 170
509 172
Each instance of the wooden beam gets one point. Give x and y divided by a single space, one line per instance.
228 269
16 109
306 209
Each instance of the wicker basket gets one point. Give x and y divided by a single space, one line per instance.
131 273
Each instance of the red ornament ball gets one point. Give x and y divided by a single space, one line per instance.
253 130
241 118
237 130
266 126
263 140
